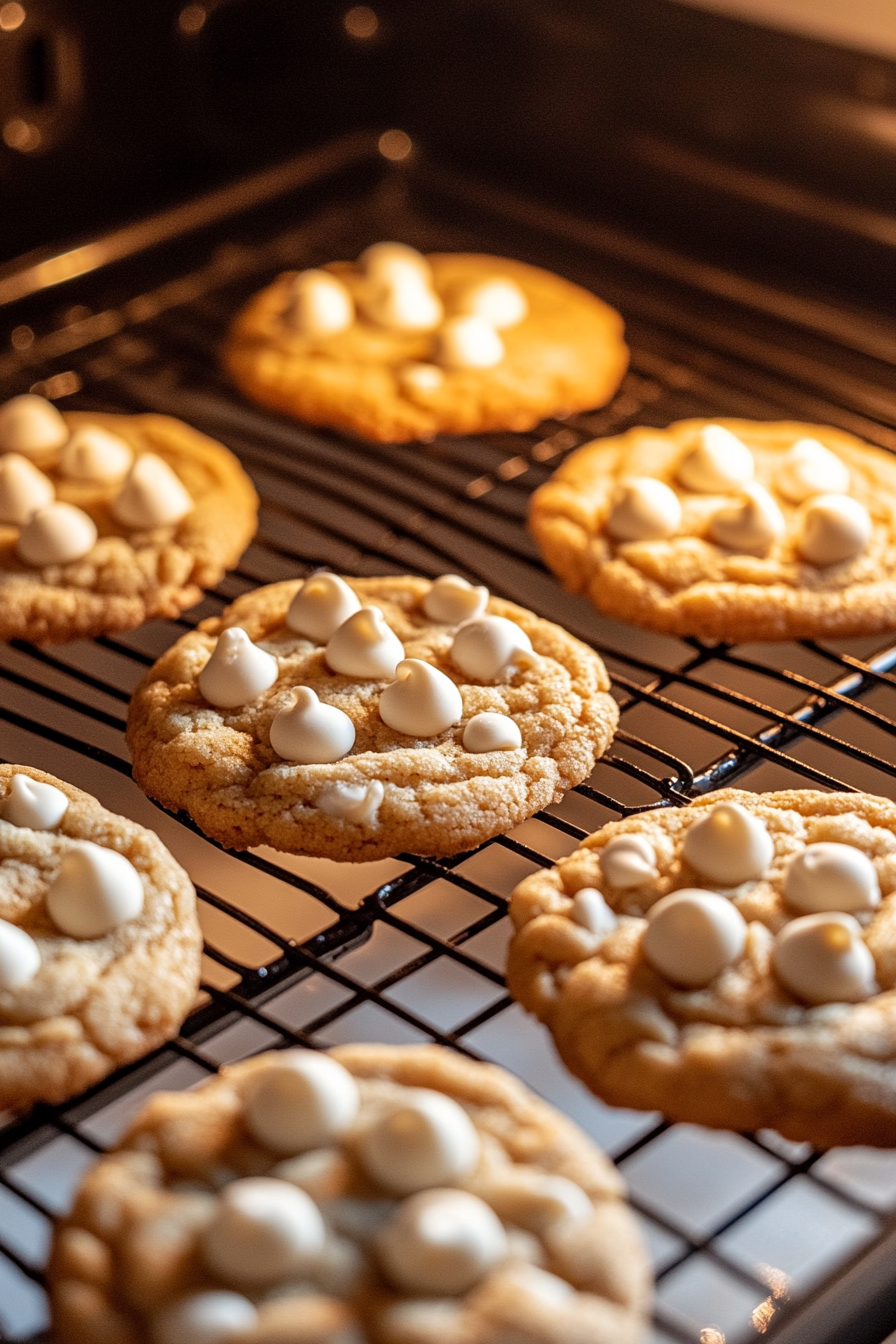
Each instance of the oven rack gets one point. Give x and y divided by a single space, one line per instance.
749 1234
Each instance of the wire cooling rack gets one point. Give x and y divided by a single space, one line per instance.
750 1235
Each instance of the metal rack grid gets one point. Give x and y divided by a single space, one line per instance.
749 1234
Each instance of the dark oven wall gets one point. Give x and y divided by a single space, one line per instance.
765 148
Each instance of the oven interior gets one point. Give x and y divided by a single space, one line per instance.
750 1235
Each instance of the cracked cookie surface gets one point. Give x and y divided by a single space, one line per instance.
742 1051
94 1003
437 797
687 584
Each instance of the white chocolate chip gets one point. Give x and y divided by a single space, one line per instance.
424 1140
56 535
318 304
152 495
94 454
34 804
590 910
833 528
322 604
402 303
23 489
530 1281
808 468
628 861
364 646
451 600
237 672
323 1173
423 1320
729 845
828 876
95 891
422 701
298 1101
204 1318
354 803
419 380
492 732
751 524
692 936
535 1200
720 462
485 647
263 1231
643 510
19 956
441 1241
385 261
500 301
31 426
311 733
821 958
468 343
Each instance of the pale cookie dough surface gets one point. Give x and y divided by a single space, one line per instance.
131 1243
130 575
688 585
566 355
439 798
742 1053
96 1003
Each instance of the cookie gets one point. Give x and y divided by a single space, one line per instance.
399 346
99 941
398 1194
731 531
730 963
109 520
362 718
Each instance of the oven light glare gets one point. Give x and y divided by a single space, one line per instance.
395 145
11 18
191 19
360 22
21 135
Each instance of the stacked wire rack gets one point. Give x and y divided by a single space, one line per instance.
750 1235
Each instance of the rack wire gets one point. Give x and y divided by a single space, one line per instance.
750 1234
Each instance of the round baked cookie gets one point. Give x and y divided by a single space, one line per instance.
730 963
402 1195
453 716
398 347
729 530
99 941
110 520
